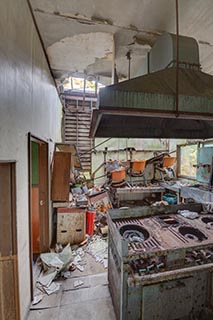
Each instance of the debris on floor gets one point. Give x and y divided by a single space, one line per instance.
58 261
37 299
78 283
52 288
46 278
61 265
54 265
98 248
90 300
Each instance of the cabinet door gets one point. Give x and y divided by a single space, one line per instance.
179 294
61 176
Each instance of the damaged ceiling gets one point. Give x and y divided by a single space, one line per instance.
88 37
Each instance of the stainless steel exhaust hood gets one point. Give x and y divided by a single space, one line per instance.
145 107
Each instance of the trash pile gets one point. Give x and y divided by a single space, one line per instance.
54 265
98 248
59 265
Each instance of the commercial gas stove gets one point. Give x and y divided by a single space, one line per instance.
161 263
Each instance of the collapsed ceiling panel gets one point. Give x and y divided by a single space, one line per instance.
80 51
135 26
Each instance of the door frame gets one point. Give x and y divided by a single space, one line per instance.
14 245
44 230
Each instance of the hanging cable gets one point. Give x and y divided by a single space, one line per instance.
177 59
81 154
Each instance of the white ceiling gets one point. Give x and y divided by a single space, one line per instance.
84 36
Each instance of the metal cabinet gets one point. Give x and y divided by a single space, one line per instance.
71 225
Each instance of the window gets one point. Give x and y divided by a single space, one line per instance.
187 157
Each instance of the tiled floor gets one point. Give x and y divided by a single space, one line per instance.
91 301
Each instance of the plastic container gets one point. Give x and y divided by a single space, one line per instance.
170 198
90 219
138 165
169 161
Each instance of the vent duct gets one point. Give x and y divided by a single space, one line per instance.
163 53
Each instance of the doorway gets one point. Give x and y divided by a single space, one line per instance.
9 296
38 202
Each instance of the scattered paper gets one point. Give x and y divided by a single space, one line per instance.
37 299
45 279
53 264
76 260
79 267
66 274
98 248
53 288
78 283
59 261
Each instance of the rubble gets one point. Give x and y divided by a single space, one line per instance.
58 261
78 283
160 203
188 214
54 264
98 248
37 298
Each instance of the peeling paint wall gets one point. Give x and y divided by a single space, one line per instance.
80 51
28 103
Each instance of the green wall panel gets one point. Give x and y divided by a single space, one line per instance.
35 175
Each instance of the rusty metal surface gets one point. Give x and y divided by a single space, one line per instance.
173 258
165 235
142 124
174 239
192 83
143 107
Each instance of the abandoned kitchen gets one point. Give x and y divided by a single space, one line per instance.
106 160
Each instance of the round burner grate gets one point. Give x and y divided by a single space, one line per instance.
208 221
192 233
134 233
168 220
191 237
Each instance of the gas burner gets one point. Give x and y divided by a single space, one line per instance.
208 221
168 220
192 233
134 233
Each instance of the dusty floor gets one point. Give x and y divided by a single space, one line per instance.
90 301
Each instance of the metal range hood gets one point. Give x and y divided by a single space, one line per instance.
145 107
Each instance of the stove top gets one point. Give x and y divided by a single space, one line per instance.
166 241
165 232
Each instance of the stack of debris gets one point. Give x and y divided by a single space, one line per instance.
58 266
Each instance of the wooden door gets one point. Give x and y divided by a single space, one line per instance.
61 176
39 196
38 200
9 299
